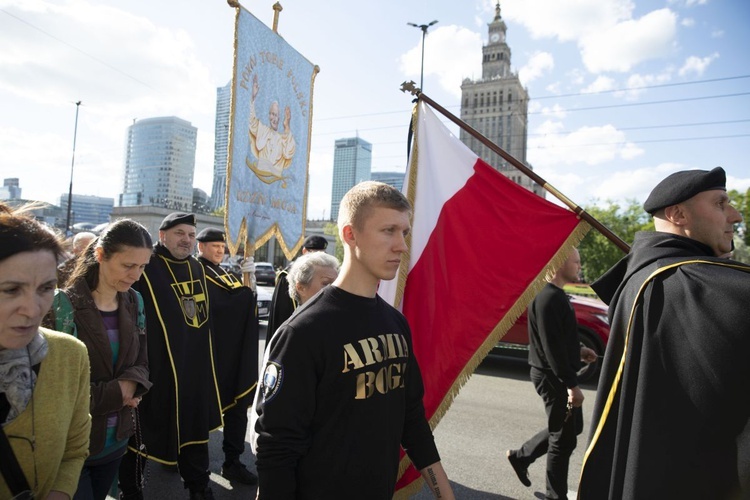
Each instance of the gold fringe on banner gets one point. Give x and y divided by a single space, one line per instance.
403 270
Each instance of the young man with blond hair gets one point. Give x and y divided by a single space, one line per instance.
341 389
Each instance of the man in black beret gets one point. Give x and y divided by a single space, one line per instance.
672 413
234 318
182 407
282 305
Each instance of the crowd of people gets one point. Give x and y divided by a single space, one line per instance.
154 347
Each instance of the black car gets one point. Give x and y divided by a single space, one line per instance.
265 273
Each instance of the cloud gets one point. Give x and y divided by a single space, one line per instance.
539 63
688 22
626 44
551 145
556 111
697 65
446 50
554 88
601 84
634 184
135 69
567 21
608 36
636 84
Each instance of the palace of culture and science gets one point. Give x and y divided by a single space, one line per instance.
497 107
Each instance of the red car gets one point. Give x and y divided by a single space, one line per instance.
593 332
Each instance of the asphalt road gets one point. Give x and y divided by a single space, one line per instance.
496 410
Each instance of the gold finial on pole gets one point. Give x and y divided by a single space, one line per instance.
233 3
276 9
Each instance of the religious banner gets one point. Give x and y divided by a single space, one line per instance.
269 139
480 248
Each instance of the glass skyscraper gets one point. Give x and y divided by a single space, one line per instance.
87 208
221 143
395 179
159 163
352 160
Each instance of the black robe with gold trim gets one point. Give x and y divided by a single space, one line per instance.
234 316
282 305
182 406
672 413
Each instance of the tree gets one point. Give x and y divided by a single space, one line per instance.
742 203
598 254
332 229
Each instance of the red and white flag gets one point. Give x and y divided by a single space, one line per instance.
480 248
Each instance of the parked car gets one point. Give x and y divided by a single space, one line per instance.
265 273
265 295
593 332
231 267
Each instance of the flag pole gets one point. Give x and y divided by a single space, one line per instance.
411 88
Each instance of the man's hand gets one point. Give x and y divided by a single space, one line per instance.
588 355
256 87
575 397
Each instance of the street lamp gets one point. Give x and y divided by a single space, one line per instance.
72 164
423 27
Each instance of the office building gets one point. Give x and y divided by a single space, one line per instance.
496 105
352 160
221 143
87 208
10 189
159 163
395 179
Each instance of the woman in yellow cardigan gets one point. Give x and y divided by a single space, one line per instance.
44 375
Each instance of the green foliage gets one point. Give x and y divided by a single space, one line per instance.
742 203
332 229
598 254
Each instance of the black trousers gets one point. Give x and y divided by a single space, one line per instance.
235 428
558 440
192 462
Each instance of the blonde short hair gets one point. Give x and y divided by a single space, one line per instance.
358 201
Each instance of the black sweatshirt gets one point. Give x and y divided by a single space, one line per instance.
553 335
341 391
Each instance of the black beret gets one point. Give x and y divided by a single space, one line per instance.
175 219
211 234
681 186
315 242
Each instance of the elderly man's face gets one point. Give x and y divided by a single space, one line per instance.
179 240
710 219
322 277
273 116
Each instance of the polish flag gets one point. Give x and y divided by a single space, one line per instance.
480 248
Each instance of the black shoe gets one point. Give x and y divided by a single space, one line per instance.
236 471
522 471
206 494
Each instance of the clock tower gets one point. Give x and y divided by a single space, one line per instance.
497 107
496 54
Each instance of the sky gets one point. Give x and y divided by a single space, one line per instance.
622 92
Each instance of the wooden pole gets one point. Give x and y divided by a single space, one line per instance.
411 88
